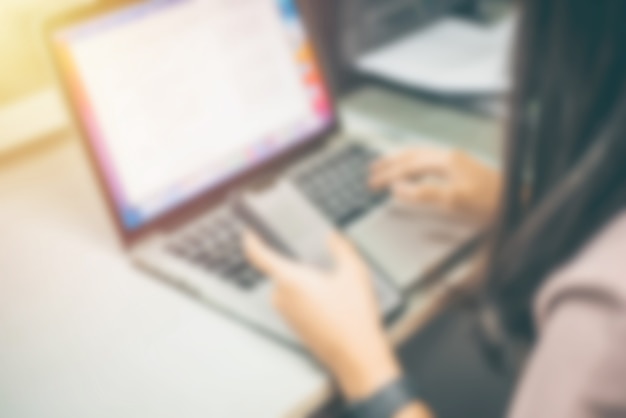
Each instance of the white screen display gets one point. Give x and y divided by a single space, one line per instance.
179 96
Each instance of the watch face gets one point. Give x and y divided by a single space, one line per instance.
24 69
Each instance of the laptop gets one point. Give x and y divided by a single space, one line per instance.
203 118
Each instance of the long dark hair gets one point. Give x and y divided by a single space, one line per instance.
566 156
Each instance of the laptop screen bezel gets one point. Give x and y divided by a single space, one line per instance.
200 203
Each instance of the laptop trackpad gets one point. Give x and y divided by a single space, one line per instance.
407 245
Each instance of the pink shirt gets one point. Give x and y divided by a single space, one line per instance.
578 368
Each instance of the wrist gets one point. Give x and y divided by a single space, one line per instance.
362 374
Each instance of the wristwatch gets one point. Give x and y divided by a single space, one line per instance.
387 402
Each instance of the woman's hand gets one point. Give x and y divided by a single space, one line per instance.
461 183
335 313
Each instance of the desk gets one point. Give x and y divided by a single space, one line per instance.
85 334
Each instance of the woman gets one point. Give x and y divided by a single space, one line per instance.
559 247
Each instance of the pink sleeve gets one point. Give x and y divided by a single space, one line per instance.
564 377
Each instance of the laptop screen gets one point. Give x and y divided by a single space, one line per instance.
179 96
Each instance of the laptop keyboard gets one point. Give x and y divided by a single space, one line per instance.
215 246
337 184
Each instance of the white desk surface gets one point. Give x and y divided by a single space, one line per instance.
84 334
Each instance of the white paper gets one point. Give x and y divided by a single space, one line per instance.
453 56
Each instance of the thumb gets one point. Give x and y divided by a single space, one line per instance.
439 194
261 256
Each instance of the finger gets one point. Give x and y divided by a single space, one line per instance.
422 162
274 265
440 195
382 169
390 159
346 257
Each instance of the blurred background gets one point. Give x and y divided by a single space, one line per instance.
30 109
24 69
361 40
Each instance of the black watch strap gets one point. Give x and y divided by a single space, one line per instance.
387 402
